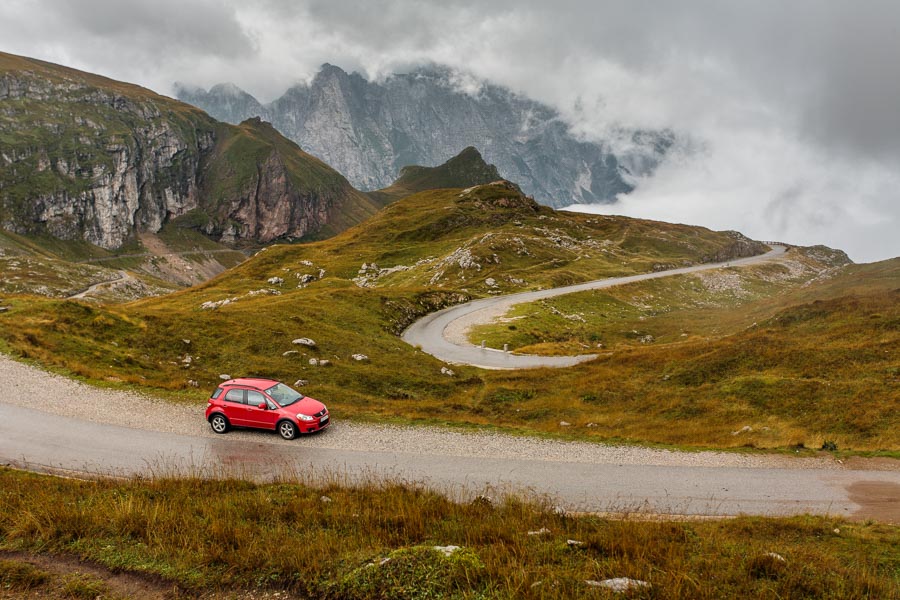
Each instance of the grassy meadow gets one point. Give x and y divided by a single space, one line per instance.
377 540
790 355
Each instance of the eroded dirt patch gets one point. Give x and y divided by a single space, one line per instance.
880 500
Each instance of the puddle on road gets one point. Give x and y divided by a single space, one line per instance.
879 500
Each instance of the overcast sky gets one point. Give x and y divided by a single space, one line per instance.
789 110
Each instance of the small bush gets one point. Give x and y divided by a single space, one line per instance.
829 445
84 587
20 576
413 573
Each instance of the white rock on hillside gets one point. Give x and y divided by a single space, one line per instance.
304 342
446 550
359 357
619 584
275 280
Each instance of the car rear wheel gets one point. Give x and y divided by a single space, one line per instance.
219 423
287 430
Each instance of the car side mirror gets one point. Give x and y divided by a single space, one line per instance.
261 405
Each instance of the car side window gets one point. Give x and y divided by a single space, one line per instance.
255 398
235 395
217 393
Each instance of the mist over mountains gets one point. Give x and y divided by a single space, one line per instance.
369 130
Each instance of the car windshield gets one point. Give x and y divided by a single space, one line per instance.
283 395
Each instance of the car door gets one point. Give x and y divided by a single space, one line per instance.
235 407
260 417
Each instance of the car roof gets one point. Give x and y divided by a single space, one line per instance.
254 382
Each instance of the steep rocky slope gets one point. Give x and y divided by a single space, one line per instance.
371 130
85 157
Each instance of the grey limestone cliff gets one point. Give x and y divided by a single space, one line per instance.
86 158
370 130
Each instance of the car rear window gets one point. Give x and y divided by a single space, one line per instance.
217 393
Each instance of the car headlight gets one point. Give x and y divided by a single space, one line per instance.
303 417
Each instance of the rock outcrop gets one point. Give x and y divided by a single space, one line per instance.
88 158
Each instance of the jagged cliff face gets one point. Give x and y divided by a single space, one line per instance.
370 130
84 157
82 162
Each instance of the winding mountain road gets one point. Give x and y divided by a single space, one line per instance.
442 334
50 423
54 424
123 276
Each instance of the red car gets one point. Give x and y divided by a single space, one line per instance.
264 404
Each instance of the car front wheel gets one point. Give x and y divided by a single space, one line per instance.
219 423
287 430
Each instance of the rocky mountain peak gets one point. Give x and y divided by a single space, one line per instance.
370 130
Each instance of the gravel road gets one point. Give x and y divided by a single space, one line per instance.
51 422
443 334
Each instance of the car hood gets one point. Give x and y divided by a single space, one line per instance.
307 406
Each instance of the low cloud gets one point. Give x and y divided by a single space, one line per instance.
793 106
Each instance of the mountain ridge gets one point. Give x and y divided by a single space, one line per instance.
370 130
87 157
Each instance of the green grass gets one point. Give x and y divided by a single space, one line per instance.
206 535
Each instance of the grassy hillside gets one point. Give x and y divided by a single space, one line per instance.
680 309
457 239
155 265
377 541
441 247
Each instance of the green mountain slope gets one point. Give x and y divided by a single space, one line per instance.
464 170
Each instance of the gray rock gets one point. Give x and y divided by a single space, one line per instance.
224 377
304 342
301 382
112 162
619 584
574 543
275 280
447 372
290 353
541 531
446 550
359 357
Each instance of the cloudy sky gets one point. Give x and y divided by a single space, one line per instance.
789 111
